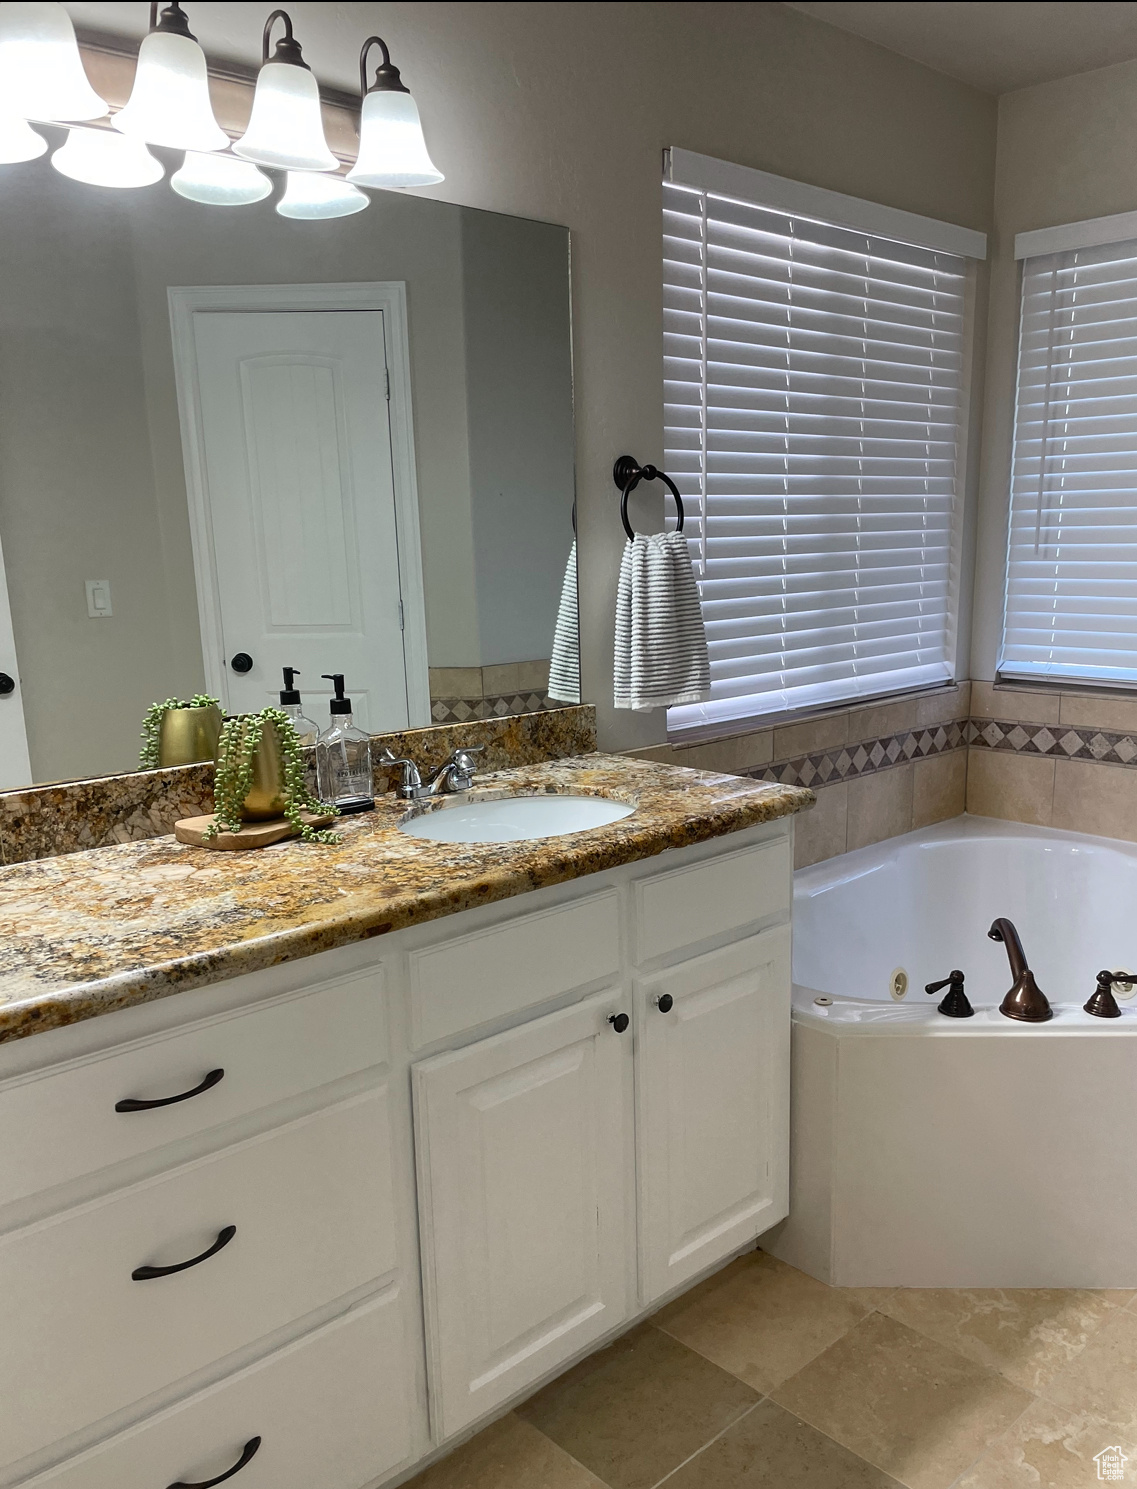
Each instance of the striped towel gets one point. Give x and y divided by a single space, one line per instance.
564 668
661 643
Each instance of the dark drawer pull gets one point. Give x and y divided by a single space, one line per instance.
131 1105
249 1451
144 1274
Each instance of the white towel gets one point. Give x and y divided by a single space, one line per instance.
564 668
661 642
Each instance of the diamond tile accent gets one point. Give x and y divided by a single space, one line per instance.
1125 749
893 751
876 754
1100 747
1071 742
1043 741
992 734
860 758
1018 737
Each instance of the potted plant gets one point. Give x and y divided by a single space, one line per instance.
260 776
180 733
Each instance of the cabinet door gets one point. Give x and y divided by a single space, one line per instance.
525 1163
713 1121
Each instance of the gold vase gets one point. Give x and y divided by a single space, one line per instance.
188 736
266 795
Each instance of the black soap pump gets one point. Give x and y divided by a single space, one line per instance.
343 756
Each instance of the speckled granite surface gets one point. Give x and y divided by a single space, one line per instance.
87 933
71 816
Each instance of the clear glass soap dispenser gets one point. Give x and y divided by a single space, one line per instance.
307 730
343 757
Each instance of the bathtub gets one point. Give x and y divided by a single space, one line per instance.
937 1152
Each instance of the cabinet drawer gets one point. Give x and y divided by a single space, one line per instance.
332 1410
66 1118
721 894
312 1205
468 980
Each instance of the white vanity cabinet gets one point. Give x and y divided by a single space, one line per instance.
457 1158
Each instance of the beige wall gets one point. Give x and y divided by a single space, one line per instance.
561 111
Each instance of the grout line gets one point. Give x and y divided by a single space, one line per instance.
729 1427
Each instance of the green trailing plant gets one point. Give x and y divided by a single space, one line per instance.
234 775
152 725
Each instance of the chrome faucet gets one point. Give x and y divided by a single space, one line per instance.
456 774
1026 1001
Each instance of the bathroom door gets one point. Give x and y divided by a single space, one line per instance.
298 490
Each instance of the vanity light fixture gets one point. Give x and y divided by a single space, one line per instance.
309 196
220 181
286 129
41 71
392 148
100 157
19 141
169 103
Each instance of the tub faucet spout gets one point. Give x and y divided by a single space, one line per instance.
1026 1001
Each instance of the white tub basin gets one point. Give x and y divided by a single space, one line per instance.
512 819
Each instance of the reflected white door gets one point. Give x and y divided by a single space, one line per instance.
15 769
296 452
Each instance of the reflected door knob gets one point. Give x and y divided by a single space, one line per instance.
665 1003
242 662
619 1021
7 685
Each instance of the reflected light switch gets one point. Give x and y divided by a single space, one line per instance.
99 598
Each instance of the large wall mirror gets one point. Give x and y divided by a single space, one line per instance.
232 442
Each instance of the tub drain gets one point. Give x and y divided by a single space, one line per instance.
898 984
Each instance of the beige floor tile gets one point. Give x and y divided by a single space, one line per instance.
638 1409
918 1411
939 787
880 806
1102 1379
1047 1448
819 833
1018 788
771 1449
510 1454
761 1319
1027 1334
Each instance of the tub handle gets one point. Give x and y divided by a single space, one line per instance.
955 1005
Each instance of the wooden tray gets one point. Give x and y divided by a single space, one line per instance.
253 835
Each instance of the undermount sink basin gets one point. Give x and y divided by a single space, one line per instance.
512 819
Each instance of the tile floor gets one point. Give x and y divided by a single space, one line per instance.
762 1378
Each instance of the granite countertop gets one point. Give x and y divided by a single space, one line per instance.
88 933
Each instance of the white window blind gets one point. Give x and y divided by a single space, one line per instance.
813 391
1071 606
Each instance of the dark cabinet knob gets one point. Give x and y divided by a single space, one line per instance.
7 685
619 1021
665 1002
242 662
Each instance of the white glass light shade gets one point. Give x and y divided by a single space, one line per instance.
310 197
285 127
220 181
169 103
19 141
41 72
392 150
102 158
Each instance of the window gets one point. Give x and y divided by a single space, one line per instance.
1071 599
814 374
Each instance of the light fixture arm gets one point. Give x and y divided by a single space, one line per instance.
287 48
387 79
174 21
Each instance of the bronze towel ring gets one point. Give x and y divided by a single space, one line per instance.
628 473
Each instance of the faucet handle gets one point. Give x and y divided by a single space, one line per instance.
955 1005
1102 1004
410 781
461 766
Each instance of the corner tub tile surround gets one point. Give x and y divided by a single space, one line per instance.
42 821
